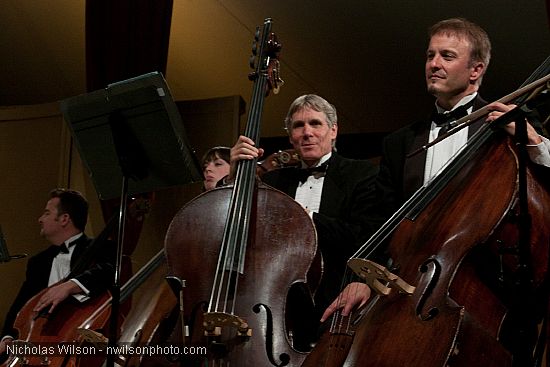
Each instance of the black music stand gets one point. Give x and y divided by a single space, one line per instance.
131 139
4 253
137 122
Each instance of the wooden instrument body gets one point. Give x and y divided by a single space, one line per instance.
459 249
50 333
449 253
281 247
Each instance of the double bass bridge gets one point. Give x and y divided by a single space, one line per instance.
374 274
215 321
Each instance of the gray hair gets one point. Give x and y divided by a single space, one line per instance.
314 102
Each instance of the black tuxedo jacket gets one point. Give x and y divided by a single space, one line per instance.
97 277
400 176
347 215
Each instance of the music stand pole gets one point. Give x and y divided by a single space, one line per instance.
132 162
115 290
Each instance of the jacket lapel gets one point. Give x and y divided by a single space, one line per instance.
413 170
331 194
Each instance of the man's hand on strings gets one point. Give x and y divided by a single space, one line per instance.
244 148
498 109
355 295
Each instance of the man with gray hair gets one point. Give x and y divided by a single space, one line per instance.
338 193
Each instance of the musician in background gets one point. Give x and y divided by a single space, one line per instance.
338 193
457 57
62 224
215 166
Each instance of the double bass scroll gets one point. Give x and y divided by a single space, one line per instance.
279 159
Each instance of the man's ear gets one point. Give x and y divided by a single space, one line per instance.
334 130
64 219
477 71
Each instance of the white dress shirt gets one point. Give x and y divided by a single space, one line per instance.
308 194
440 154
540 153
61 267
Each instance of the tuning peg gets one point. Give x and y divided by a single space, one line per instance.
255 41
252 76
274 43
252 62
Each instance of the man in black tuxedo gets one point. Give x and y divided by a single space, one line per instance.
67 267
457 57
338 193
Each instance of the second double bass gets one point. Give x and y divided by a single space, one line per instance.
237 250
468 266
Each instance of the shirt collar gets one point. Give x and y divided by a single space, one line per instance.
323 159
463 101
73 238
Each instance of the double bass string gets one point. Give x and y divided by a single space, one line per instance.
238 221
247 180
340 324
235 233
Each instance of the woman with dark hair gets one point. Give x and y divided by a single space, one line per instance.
215 166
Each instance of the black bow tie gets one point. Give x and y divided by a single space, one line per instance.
319 171
442 119
64 249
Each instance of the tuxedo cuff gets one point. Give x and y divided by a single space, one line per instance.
540 153
81 297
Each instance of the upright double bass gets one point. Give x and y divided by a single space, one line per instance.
469 266
237 250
